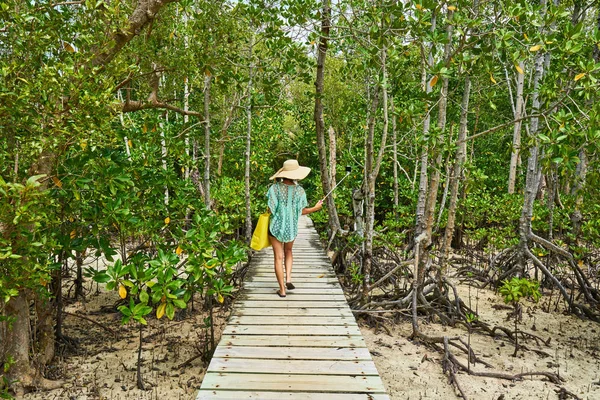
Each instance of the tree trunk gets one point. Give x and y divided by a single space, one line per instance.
334 222
207 200
532 180
224 135
332 156
420 225
395 158
369 197
457 169
434 182
163 145
357 206
186 118
372 170
516 143
248 144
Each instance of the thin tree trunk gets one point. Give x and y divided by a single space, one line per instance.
207 199
516 143
334 222
369 197
457 169
372 169
332 156
395 158
424 161
533 176
140 379
186 118
163 145
224 134
249 144
434 182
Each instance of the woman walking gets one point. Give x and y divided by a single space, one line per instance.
287 201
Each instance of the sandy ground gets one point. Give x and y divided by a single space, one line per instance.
410 370
103 367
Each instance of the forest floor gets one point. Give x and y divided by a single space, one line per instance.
104 365
410 370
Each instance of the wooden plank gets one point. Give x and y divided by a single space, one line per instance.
283 303
295 353
317 312
293 367
299 274
295 269
299 279
293 383
295 330
353 341
293 296
291 320
319 291
237 395
299 285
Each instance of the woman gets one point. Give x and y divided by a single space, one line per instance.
287 201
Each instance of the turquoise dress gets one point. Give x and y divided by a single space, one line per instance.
286 203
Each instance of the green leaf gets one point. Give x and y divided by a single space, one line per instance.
144 297
179 303
102 277
170 311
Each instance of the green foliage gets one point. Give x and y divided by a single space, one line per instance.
515 289
27 238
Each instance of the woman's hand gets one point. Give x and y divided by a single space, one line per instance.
310 210
319 205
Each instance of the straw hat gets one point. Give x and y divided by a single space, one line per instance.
291 170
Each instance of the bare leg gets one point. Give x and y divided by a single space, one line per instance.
289 260
278 261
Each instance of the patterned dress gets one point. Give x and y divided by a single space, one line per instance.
286 203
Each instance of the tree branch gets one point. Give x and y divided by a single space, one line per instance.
144 13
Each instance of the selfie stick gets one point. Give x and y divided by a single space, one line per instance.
348 170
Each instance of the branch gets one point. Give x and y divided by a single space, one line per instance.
153 102
132 105
144 14
494 129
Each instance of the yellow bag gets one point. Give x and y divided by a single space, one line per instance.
260 237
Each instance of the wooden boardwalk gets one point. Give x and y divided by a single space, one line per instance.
304 346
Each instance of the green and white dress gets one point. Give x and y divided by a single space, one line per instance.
286 203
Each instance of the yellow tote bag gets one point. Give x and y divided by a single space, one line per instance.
260 237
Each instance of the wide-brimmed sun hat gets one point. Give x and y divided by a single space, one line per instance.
291 170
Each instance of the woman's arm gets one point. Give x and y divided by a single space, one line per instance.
310 210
